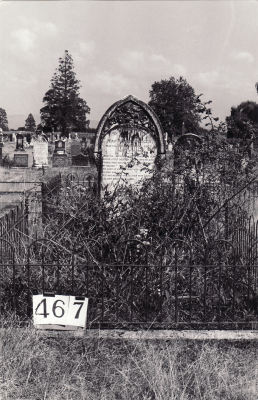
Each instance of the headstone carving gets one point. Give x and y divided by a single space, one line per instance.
40 150
129 138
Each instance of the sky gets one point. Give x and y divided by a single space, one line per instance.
123 47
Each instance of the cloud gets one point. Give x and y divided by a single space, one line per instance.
18 80
208 79
24 39
108 83
132 61
245 56
85 53
142 63
226 78
46 28
87 48
41 27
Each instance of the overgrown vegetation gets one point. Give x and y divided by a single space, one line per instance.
181 217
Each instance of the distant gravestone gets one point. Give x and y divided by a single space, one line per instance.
80 160
75 148
59 146
129 139
59 160
19 142
40 152
21 160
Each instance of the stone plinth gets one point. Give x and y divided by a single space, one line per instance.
80 160
21 160
59 160
75 148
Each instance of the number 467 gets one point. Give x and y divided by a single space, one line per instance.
56 307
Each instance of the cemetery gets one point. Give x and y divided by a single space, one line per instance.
128 200
106 247
140 258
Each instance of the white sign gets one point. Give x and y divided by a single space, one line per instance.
59 312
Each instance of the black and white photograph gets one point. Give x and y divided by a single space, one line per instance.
129 200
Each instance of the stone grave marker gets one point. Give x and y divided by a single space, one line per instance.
80 160
60 158
21 160
128 143
75 148
40 152
19 142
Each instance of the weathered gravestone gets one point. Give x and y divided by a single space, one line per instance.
59 158
21 160
129 138
19 142
75 148
40 152
80 160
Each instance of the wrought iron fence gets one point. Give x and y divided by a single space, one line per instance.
132 286
14 224
50 190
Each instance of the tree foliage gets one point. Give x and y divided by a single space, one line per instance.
30 123
175 102
64 110
3 120
243 121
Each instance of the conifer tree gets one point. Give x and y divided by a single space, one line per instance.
64 110
30 123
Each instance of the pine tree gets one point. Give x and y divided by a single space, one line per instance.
30 123
64 110
3 120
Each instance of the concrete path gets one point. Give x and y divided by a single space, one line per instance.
155 334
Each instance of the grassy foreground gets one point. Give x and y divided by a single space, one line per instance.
37 368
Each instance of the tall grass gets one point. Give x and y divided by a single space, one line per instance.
34 367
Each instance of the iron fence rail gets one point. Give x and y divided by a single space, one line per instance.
125 294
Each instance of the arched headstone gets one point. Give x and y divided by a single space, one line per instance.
129 139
